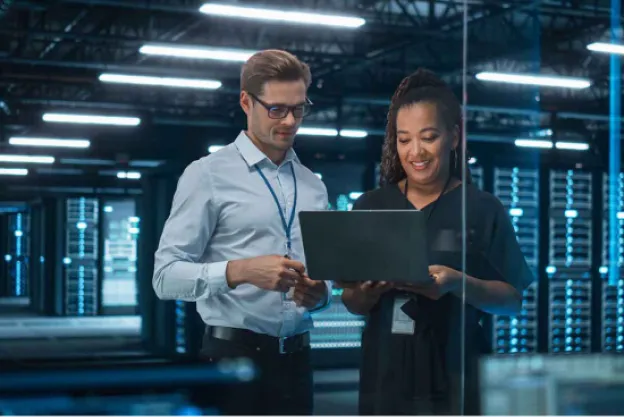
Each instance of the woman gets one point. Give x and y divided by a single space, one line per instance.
411 344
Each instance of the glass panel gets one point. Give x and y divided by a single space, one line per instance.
544 122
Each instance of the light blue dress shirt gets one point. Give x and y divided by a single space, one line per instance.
222 210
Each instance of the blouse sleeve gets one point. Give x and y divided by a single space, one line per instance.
504 251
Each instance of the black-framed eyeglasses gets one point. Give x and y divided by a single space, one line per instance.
280 111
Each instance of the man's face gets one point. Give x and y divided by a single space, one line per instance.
275 133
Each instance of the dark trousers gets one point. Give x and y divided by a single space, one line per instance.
283 386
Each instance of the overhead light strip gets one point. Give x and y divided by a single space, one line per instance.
29 159
609 48
129 175
191 52
547 144
48 142
276 15
160 81
318 131
14 171
572 146
534 143
536 80
91 119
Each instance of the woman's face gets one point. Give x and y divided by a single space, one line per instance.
423 143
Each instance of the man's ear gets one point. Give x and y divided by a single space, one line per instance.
245 102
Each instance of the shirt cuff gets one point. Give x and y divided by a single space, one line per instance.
217 279
326 302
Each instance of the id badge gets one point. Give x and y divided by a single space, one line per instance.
401 322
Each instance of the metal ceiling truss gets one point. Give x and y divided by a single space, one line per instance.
53 52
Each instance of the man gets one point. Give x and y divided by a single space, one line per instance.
233 245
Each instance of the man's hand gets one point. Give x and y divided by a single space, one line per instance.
309 293
273 272
444 280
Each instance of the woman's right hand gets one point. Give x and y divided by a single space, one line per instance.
360 297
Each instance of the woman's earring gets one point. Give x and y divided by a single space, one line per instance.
455 158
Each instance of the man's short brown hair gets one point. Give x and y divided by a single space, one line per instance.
272 65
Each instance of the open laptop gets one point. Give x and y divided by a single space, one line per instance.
365 245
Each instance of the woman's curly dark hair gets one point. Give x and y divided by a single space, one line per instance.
421 86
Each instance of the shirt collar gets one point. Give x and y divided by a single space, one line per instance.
253 156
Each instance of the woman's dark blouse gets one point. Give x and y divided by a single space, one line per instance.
420 373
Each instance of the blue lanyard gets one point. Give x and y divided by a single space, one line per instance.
287 225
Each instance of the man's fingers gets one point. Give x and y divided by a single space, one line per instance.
296 265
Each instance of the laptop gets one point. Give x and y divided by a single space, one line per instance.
357 246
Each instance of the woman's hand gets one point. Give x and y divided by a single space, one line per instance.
443 281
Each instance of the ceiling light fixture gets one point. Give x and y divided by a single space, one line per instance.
193 52
48 142
91 119
572 146
537 80
14 171
28 159
215 148
533 143
609 48
160 81
277 15
129 175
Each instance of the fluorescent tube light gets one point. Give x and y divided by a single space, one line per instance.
14 171
354 195
49 142
573 146
215 148
609 48
216 54
472 160
534 143
277 15
317 131
351 133
160 81
539 80
87 161
91 119
32 159
130 175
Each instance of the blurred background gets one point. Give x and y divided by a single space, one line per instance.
93 140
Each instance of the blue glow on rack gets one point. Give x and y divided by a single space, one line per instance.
342 204
81 290
180 333
18 253
571 214
81 254
516 212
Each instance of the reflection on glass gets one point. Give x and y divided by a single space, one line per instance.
121 229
